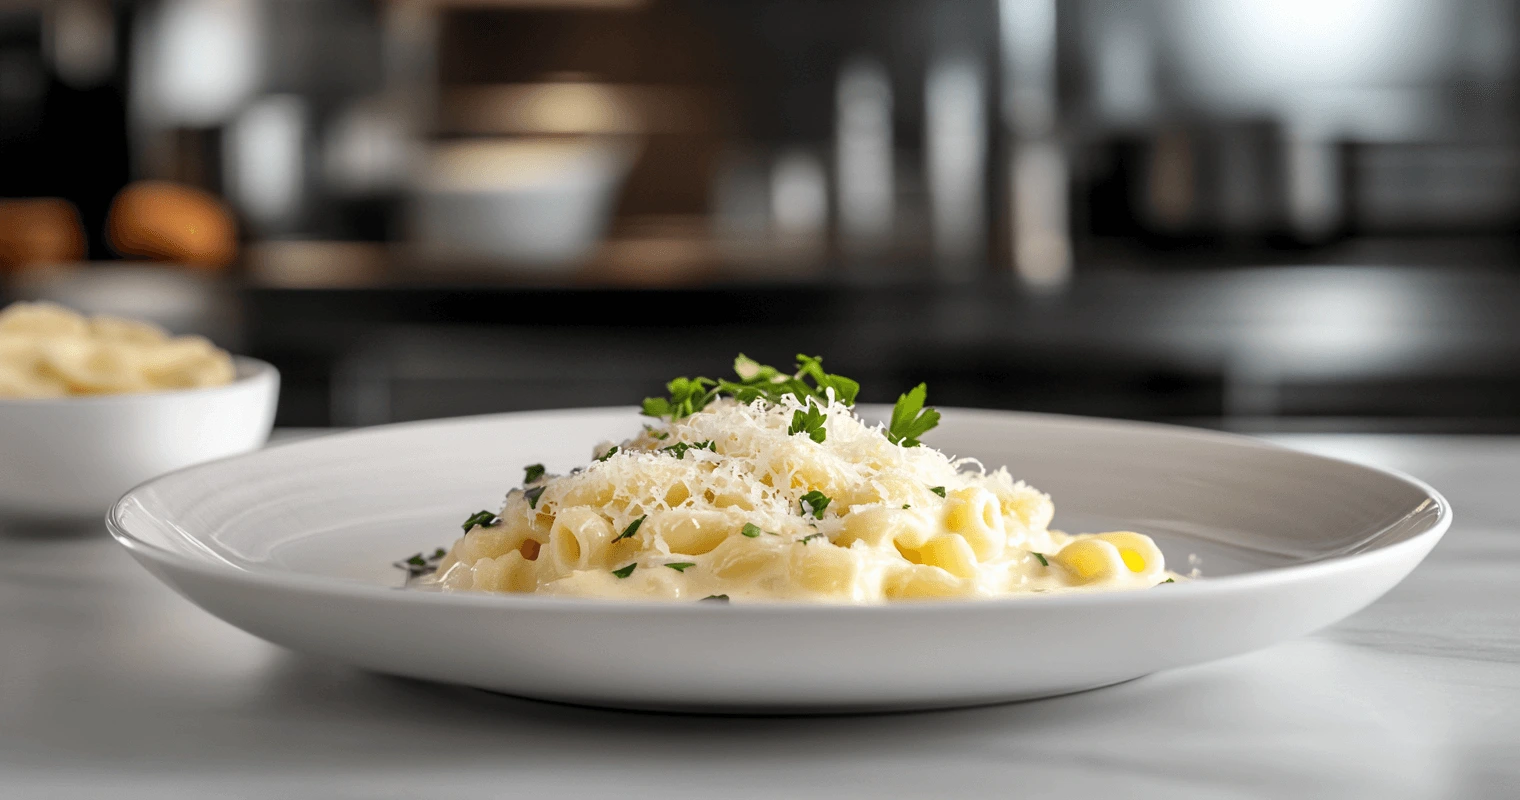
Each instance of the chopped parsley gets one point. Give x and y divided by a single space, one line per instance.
633 527
609 453
418 564
810 537
814 503
680 566
626 571
910 419
750 529
679 448
532 472
533 495
809 421
906 506
484 519
756 381
1168 580
939 490
1041 557
719 598
655 434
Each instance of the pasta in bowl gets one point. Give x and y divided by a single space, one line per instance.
771 488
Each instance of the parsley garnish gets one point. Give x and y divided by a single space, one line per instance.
939 490
533 495
532 472
417 564
906 506
810 537
609 453
721 598
810 422
1168 580
756 382
633 527
751 530
679 448
680 566
654 434
910 419
626 571
1041 557
814 502
483 518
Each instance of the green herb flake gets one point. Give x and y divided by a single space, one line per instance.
906 506
533 495
626 571
417 561
939 490
484 519
438 554
656 434
751 530
609 453
717 598
679 448
680 566
809 421
1041 557
1168 580
633 527
814 503
532 472
910 419
810 537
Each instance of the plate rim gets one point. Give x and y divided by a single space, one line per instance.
1255 580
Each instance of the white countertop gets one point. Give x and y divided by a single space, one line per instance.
111 685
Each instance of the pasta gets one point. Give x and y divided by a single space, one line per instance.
784 495
47 350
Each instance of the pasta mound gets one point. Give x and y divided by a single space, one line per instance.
47 350
728 503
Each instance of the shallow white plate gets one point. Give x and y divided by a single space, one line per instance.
295 544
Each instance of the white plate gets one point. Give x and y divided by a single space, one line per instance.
295 544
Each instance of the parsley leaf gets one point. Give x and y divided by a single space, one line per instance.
532 472
609 453
626 571
844 388
939 490
906 506
910 419
679 448
417 561
633 527
810 537
809 421
687 397
814 503
751 530
533 495
484 519
1041 557
1168 580
720 598
680 566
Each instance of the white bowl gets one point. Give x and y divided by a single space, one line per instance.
72 457
295 544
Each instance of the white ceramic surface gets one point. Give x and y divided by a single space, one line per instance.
73 457
541 204
294 544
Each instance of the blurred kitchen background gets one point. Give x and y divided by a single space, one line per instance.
1248 214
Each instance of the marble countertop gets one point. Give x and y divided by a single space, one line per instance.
112 685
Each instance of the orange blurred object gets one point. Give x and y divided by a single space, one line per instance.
171 222
39 231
